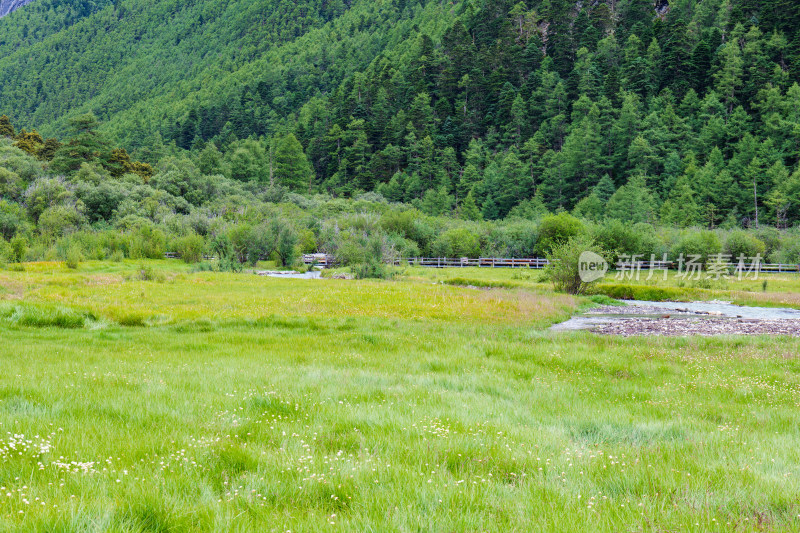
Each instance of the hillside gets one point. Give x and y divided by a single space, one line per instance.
681 113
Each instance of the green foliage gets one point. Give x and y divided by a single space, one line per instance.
621 291
190 248
557 230
459 242
146 242
621 239
564 268
741 243
452 107
148 273
292 169
19 248
73 258
702 245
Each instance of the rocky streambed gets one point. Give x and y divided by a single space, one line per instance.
680 319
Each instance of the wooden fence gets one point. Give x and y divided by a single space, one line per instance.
329 261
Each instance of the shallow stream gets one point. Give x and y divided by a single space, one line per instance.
606 315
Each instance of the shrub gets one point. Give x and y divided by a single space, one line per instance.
190 248
373 270
19 248
742 243
771 238
564 267
517 239
704 244
410 225
74 257
307 242
58 220
459 242
5 251
11 218
556 230
147 242
148 273
621 239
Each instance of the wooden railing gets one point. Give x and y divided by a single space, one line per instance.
465 262
329 261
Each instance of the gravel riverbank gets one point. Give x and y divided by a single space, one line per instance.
674 319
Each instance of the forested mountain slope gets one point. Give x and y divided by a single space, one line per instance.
115 58
679 111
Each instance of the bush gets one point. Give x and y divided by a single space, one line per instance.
147 242
556 230
564 267
11 219
307 242
5 251
410 225
148 273
190 248
771 238
742 243
74 257
19 248
373 270
58 220
704 244
459 242
621 239
517 239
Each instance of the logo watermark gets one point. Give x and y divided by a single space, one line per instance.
592 267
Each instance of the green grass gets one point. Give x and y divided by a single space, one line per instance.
240 403
783 290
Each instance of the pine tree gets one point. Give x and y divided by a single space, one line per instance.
634 67
469 178
633 202
681 208
469 209
729 77
292 168
85 145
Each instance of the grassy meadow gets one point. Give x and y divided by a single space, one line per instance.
230 402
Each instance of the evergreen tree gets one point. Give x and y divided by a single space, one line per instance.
729 77
468 210
292 168
633 202
681 209
85 145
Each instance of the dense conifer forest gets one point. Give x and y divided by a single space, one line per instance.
636 116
